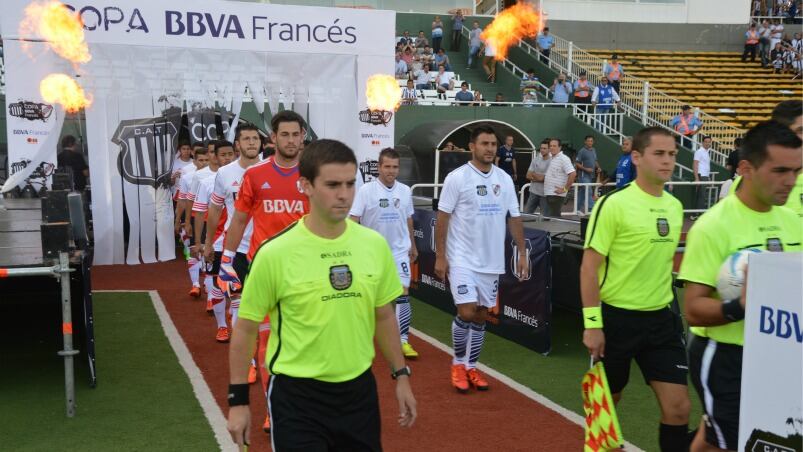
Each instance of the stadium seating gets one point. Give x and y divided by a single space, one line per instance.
718 83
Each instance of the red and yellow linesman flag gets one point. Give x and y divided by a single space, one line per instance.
602 426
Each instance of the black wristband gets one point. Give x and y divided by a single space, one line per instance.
238 394
732 310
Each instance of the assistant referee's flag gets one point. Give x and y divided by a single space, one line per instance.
602 426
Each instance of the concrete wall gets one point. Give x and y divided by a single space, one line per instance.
636 11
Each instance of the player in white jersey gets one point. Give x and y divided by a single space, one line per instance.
470 248
184 211
183 158
386 206
227 185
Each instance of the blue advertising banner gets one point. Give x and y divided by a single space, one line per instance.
523 310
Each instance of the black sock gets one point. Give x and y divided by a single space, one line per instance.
673 438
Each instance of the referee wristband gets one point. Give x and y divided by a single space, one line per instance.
238 394
592 317
732 310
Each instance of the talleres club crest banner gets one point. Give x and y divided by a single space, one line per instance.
161 71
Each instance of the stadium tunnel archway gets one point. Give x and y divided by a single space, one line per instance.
417 147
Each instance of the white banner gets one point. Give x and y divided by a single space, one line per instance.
151 58
771 416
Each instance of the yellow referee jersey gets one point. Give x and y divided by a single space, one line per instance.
321 296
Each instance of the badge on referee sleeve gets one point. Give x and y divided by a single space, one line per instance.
602 426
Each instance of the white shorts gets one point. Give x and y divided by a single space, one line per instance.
468 286
403 268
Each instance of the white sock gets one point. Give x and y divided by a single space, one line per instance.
194 267
235 307
209 284
219 309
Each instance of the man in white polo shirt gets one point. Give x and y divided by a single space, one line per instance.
558 179
702 173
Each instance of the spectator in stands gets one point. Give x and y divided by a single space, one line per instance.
733 158
406 39
529 82
625 170
479 101
797 43
535 174
776 33
587 167
427 56
72 157
561 89
489 61
422 78
545 42
506 158
687 125
604 99
437 33
558 179
614 71
464 96
702 173
441 59
421 41
474 43
788 59
410 95
444 81
750 43
582 89
756 8
457 30
764 43
407 56
777 57
401 67
499 100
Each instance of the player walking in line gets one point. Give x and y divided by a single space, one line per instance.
270 197
626 285
226 188
386 206
327 284
470 248
184 209
222 154
753 217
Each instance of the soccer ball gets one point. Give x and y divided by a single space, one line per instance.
731 274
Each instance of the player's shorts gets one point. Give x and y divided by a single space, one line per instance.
313 415
403 268
468 286
716 373
653 338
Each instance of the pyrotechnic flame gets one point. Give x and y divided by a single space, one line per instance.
60 27
512 24
63 90
383 93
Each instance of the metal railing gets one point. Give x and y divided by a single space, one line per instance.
640 100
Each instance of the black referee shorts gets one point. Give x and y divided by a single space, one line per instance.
716 373
240 264
653 338
309 415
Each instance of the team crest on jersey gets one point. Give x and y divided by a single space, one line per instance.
462 289
340 277
383 203
497 189
482 190
774 244
396 202
663 227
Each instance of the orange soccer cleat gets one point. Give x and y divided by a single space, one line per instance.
459 378
222 334
477 380
266 425
195 292
252 374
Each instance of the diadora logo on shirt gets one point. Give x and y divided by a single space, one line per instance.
482 190
282 206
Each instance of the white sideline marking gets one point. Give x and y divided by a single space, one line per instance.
212 411
518 387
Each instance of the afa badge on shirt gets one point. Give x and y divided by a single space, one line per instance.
663 227
340 277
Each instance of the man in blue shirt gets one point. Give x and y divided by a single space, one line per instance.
587 167
625 171
686 124
474 43
545 43
442 59
464 97
561 90
506 158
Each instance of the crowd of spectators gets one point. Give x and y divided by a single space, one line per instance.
788 10
774 47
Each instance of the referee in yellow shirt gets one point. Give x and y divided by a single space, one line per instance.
327 284
626 285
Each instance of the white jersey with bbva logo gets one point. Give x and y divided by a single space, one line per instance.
227 185
386 211
478 204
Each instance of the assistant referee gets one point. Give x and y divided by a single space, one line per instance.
327 284
626 285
